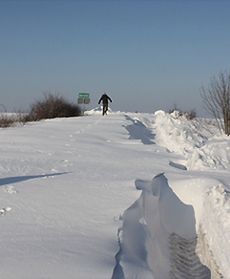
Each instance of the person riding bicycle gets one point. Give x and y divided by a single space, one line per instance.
105 102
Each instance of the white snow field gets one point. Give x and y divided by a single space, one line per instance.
121 196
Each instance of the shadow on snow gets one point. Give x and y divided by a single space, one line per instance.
137 130
17 179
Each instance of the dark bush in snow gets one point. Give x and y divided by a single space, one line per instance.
12 119
188 114
53 106
6 121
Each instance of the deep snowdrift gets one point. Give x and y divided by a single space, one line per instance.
65 182
158 236
171 232
198 140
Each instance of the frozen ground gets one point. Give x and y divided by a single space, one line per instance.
125 196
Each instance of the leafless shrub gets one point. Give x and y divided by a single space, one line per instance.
190 114
6 121
216 99
53 106
12 119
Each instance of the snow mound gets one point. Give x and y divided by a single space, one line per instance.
177 134
217 208
154 229
163 236
214 154
199 142
96 111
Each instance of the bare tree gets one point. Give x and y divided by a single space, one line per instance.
216 98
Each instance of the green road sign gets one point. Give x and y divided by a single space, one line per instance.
83 98
83 95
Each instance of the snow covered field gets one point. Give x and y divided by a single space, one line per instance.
124 196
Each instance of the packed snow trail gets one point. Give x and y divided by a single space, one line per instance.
65 184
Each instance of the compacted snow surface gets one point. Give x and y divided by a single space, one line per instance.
121 196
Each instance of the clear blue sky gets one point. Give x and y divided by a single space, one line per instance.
146 55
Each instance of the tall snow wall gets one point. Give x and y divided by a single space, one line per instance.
158 237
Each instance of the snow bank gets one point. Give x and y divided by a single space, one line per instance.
169 233
214 154
177 134
152 229
217 210
199 142
211 203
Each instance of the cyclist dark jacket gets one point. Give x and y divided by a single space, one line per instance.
105 99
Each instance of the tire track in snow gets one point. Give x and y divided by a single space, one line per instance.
187 255
206 255
164 246
185 263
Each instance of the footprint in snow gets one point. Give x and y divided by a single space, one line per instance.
10 189
4 210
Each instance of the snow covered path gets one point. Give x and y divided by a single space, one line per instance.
65 183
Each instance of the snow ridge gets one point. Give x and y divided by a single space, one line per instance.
188 251
152 243
199 141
